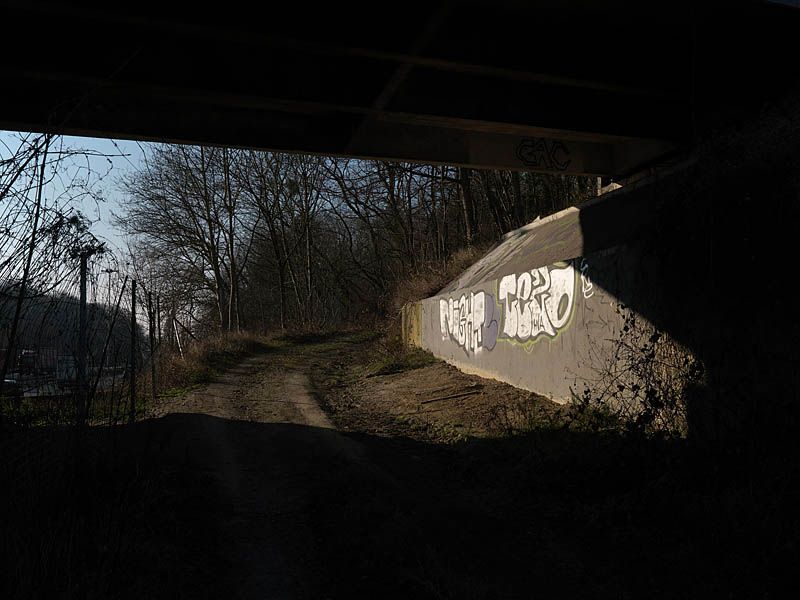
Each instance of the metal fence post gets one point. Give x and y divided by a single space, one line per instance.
158 317
152 333
81 416
132 413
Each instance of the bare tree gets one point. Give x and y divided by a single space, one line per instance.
184 212
283 240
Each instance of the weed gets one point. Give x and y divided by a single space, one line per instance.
201 362
641 383
392 357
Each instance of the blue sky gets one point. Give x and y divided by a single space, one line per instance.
118 158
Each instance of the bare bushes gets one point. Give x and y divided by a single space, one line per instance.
430 277
72 513
201 361
426 281
642 380
390 355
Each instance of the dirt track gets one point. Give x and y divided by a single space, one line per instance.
433 485
246 451
256 390
248 491
271 500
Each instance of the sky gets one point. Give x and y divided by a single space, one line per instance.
115 159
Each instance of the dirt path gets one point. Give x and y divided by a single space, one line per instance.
416 493
246 451
270 500
433 485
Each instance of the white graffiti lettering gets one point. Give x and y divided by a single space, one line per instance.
469 321
537 302
586 284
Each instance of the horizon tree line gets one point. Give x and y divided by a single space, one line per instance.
235 239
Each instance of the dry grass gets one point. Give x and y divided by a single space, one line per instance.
71 513
202 361
427 281
431 277
390 355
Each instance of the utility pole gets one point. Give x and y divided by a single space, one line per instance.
158 318
81 416
102 365
151 328
132 413
175 327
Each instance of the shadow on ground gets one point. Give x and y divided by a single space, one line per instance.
153 511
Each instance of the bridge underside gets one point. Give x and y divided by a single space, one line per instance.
606 88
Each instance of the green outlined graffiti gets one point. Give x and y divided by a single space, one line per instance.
537 304
525 308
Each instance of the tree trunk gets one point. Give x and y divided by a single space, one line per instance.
519 205
282 283
309 289
467 204
10 351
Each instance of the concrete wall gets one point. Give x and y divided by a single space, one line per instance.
547 328
542 309
703 251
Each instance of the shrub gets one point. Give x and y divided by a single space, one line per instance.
201 361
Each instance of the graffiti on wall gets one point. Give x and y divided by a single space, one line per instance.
544 154
470 321
537 302
530 305
586 284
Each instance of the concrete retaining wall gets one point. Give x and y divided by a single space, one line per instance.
704 252
544 328
541 310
